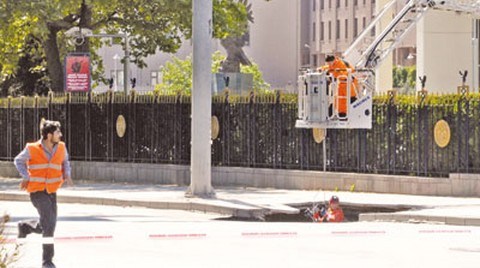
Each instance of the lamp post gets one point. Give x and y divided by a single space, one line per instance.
200 168
115 72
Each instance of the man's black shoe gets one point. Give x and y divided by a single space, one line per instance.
48 264
22 232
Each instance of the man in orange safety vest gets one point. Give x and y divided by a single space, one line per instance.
44 166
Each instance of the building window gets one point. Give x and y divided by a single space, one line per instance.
355 27
338 3
346 29
364 2
364 23
155 78
329 3
322 4
346 3
314 4
315 60
338 30
373 2
330 30
355 2
117 76
314 31
322 31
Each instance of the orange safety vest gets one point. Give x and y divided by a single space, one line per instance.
335 215
338 69
45 174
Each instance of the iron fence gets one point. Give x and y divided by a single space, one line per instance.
254 132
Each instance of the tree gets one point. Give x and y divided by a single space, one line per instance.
153 25
177 75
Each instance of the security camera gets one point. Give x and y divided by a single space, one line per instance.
79 40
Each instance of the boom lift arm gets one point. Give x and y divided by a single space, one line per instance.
320 94
369 51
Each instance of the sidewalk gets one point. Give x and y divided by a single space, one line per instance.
256 202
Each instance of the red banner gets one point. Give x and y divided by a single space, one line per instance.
77 72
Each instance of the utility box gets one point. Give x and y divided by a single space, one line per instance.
237 83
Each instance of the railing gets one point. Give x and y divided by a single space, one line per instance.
254 132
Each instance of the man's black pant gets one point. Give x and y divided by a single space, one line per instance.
46 205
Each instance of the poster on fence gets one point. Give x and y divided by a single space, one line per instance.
77 72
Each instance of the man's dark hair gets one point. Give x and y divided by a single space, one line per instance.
329 58
48 127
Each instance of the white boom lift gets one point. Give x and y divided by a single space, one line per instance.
318 91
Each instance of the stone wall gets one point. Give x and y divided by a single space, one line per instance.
461 185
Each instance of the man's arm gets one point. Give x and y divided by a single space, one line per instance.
67 170
20 162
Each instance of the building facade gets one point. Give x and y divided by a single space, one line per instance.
289 35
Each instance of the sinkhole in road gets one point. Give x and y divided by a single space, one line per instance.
351 212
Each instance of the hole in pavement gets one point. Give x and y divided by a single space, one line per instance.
351 212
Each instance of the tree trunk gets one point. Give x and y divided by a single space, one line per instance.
54 64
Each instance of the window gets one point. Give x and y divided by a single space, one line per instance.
346 3
364 2
322 30
355 2
322 4
329 3
338 29
355 27
364 23
314 31
155 78
117 76
338 3
314 4
315 60
346 29
329 30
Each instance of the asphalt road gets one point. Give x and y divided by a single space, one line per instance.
105 236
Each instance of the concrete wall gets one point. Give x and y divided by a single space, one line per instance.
444 46
273 41
463 185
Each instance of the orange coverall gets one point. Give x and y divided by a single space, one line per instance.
339 68
332 215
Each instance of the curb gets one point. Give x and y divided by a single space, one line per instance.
248 213
409 218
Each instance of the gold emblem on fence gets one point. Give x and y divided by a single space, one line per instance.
318 134
215 127
441 133
121 126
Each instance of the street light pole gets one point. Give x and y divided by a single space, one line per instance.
126 57
200 170
126 66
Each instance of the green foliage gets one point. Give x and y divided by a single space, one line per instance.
259 85
404 78
7 255
153 25
177 75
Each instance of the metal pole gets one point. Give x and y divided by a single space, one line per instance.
475 46
125 66
324 147
200 170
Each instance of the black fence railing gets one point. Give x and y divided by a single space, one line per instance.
254 132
